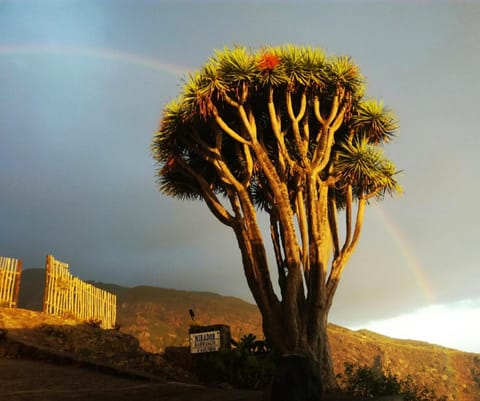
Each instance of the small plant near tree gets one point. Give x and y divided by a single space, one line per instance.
252 363
249 365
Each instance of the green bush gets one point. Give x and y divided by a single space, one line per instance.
365 381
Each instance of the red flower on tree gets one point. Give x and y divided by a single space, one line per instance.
268 61
170 163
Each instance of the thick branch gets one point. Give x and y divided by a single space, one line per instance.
314 229
276 128
334 108
277 246
339 119
348 218
326 134
302 225
249 166
252 247
225 128
339 263
316 110
306 139
332 218
248 122
295 119
250 267
358 224
211 199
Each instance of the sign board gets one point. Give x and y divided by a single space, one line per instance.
208 341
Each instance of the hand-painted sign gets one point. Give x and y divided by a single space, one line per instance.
208 341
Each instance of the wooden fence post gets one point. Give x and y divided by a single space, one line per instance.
16 288
47 284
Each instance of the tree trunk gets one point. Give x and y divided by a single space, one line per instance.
297 378
304 373
296 324
318 355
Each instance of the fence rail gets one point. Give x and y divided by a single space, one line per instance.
66 294
10 274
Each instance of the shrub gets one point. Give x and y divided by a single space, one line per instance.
412 392
365 381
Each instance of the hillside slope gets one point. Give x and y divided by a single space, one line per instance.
160 318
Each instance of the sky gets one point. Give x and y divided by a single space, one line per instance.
82 89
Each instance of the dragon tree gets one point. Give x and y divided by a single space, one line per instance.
287 131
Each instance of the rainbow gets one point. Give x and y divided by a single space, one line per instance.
136 59
405 249
417 271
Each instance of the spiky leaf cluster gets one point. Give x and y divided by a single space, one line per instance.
365 167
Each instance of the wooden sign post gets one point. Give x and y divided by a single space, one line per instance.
204 339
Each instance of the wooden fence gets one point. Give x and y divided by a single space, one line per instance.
10 274
68 295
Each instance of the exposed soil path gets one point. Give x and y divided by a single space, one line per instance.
27 380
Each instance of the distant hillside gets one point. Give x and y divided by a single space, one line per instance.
159 318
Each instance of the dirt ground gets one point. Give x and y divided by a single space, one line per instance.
32 380
29 380
48 358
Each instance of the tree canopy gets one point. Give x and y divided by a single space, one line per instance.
288 96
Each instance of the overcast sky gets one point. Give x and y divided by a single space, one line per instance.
82 88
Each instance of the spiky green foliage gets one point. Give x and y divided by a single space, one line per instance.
365 167
239 76
374 121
